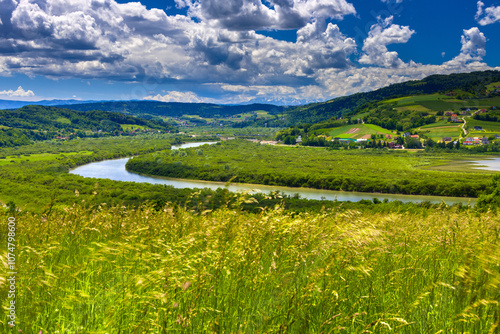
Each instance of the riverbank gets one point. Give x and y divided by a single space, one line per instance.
115 170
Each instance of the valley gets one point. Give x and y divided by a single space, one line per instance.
400 233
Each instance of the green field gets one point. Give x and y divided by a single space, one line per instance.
364 129
131 127
489 128
414 107
442 129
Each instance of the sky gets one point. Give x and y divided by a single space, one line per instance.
237 51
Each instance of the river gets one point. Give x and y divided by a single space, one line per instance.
492 164
115 170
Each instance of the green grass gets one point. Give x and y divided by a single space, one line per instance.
439 123
492 86
488 127
63 120
420 98
415 107
438 131
131 127
123 270
364 129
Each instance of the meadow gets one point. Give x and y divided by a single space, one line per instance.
99 256
143 270
357 131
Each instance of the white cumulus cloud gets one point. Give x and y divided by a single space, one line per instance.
381 34
473 48
19 92
487 15
176 96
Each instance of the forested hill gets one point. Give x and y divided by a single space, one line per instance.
176 109
474 83
64 121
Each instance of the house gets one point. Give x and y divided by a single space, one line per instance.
485 141
478 128
463 113
483 111
448 113
446 139
299 139
406 134
414 136
389 137
497 136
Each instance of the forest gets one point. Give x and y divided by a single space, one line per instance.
175 109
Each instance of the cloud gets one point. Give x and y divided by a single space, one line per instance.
272 14
176 96
382 34
389 1
487 16
19 92
217 45
473 48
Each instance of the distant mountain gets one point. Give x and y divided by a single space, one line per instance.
473 83
8 104
176 109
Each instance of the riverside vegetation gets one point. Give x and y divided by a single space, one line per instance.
350 170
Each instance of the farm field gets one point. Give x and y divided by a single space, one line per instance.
488 127
357 131
438 130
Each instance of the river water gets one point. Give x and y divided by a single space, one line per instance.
115 170
492 164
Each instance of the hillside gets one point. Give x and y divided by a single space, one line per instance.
19 126
176 109
470 84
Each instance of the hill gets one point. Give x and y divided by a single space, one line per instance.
176 109
473 84
19 126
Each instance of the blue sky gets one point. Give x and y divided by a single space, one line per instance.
236 51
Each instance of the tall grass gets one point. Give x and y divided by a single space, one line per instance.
123 270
